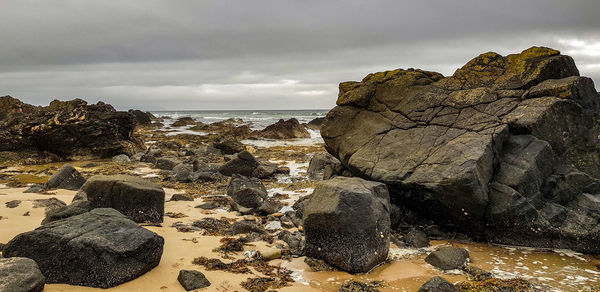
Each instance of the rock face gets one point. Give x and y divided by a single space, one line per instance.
69 129
136 198
285 130
506 149
67 177
101 248
20 275
347 223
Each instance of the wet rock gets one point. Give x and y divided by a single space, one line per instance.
201 166
284 130
293 240
248 192
165 163
242 163
183 121
318 265
136 198
356 286
101 248
448 258
13 204
317 165
208 206
266 170
416 238
121 158
347 223
486 151
67 177
181 197
19 274
75 208
299 205
438 284
183 172
192 280
228 145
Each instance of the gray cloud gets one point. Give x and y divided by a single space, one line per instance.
263 54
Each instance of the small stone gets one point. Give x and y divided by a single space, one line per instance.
277 215
121 158
270 254
191 280
13 204
207 206
273 225
26 213
249 218
181 197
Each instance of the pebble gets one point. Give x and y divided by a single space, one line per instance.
273 225
249 218
271 254
277 215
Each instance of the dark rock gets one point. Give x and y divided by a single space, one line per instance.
67 177
136 198
181 197
248 192
269 206
121 158
75 208
208 206
183 172
315 124
357 286
244 227
100 248
13 203
438 284
19 274
317 165
201 166
165 163
267 169
242 163
207 177
49 204
184 121
318 265
35 189
228 145
293 240
141 118
416 238
299 205
70 129
486 152
448 258
289 129
191 280
347 223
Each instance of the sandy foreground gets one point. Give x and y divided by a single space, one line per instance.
564 270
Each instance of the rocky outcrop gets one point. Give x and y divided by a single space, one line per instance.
347 223
69 129
184 121
283 129
506 149
67 177
136 198
18 274
141 118
315 124
101 248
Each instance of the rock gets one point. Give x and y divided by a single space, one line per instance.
69 129
242 163
269 206
136 198
75 208
315 124
318 265
202 176
18 274
181 197
101 248
49 204
249 218
36 189
299 205
293 240
208 206
486 152
273 226
244 227
191 280
166 163
448 258
228 145
67 177
438 284
183 121
266 170
141 118
317 165
248 192
270 254
201 166
13 204
289 129
347 223
183 172
121 158
416 238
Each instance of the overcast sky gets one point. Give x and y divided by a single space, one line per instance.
257 54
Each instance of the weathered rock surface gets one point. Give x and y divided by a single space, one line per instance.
448 258
248 192
69 129
228 145
101 248
347 223
67 177
506 149
136 198
18 274
438 284
141 118
191 280
244 163
75 208
284 130
167 163
315 124
318 163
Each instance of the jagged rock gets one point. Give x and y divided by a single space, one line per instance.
101 248
289 129
448 258
141 118
184 121
192 280
19 274
10 105
315 124
167 163
242 163
347 223
318 163
438 284
69 129
67 177
228 145
121 158
499 139
248 192
136 198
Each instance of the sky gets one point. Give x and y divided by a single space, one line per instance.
259 54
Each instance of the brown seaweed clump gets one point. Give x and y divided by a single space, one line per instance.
495 284
356 286
214 226
281 279
230 245
237 267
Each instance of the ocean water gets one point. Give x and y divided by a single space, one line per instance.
257 119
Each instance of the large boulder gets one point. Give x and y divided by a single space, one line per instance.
242 163
136 198
101 248
448 258
506 149
347 223
70 129
67 177
284 130
248 192
18 274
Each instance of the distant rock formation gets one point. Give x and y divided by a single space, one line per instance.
69 129
506 149
284 130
